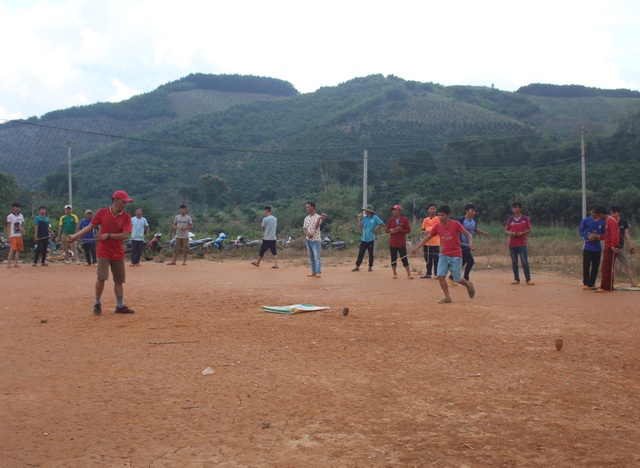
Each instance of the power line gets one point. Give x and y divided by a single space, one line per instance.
295 152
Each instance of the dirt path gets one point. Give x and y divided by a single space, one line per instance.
400 380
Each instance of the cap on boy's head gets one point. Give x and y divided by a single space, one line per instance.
121 195
397 207
88 212
16 204
67 206
444 209
369 208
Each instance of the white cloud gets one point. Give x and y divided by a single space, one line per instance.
60 53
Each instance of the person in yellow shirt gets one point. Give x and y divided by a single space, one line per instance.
67 226
432 248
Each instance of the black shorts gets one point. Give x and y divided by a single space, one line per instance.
268 245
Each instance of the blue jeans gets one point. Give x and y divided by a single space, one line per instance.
522 251
313 248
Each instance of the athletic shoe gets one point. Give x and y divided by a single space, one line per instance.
45 264
34 264
530 283
171 263
356 269
370 269
445 300
97 309
471 290
124 310
425 276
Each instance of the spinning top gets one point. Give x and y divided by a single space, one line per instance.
345 311
559 343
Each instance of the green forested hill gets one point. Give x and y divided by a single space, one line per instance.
220 141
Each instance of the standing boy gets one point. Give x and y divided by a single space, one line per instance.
592 231
139 233
88 240
311 227
68 225
269 226
369 224
625 240
115 227
398 227
182 224
611 241
450 259
470 223
431 249
518 228
15 228
42 234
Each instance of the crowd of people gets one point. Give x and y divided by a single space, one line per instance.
446 243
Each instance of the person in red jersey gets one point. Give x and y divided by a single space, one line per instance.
115 228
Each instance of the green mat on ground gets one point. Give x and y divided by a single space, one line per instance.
627 288
294 309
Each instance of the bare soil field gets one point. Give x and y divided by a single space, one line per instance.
399 381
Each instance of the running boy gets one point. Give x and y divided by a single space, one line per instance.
450 257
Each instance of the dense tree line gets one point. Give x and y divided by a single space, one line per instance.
571 91
232 83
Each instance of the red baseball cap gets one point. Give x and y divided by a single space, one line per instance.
122 195
397 207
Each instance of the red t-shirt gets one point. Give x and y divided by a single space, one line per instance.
398 239
449 238
111 249
518 225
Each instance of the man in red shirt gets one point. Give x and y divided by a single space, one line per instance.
450 257
115 227
518 228
398 227
611 241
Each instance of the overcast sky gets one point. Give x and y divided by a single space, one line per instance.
61 53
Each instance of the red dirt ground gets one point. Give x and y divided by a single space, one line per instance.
399 381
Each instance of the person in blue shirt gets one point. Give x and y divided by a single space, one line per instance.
369 224
42 235
88 241
592 229
470 223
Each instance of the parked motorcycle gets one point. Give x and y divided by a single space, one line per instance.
5 247
152 247
217 244
286 242
242 241
327 242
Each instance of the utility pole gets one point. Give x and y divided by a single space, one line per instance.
584 175
364 179
69 167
